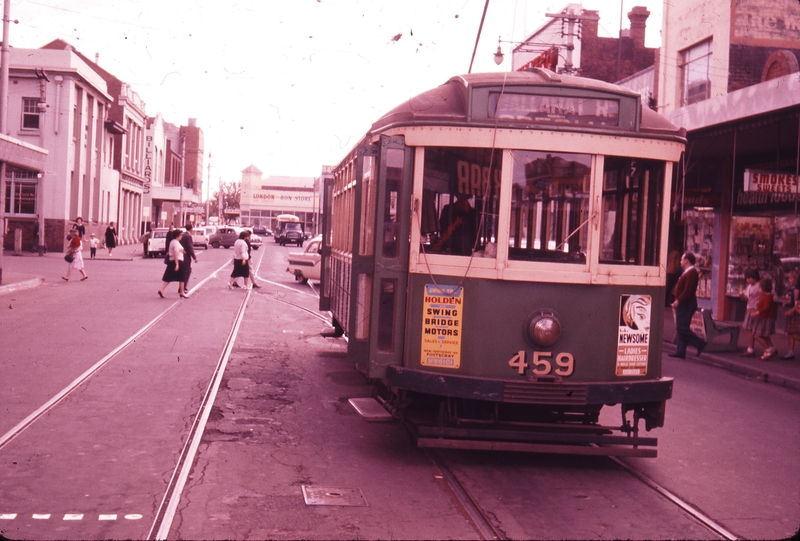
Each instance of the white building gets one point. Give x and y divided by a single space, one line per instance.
59 103
263 199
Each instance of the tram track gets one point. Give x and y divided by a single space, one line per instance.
167 508
487 529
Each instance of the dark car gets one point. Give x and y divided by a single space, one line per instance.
292 234
261 230
225 236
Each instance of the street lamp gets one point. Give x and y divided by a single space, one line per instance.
548 53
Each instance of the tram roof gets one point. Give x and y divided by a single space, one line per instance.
449 104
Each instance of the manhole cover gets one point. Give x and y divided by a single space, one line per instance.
333 496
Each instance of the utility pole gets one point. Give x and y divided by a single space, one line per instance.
183 170
4 125
571 18
208 186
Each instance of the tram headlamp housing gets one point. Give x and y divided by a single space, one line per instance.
543 328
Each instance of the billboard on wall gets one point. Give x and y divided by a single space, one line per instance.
277 199
766 22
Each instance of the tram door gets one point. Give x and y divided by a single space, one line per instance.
392 233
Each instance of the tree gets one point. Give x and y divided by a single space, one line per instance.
231 196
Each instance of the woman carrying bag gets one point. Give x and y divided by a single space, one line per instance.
174 271
74 255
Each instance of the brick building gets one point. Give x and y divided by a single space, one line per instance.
728 73
605 59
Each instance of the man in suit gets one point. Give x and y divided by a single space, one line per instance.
188 245
685 305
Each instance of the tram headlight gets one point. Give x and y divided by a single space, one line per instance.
544 329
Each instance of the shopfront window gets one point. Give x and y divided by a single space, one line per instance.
21 188
769 245
550 207
700 241
460 201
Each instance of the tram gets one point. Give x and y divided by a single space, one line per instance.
495 251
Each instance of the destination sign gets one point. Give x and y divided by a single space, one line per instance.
565 110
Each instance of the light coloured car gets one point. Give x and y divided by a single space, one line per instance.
306 265
199 237
154 243
255 241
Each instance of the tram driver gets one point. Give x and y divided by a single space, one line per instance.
458 227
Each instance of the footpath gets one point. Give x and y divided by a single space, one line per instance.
20 272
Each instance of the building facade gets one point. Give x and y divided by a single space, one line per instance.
104 157
264 199
605 59
58 102
177 153
728 73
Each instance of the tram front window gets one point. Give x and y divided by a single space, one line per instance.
632 205
460 201
549 206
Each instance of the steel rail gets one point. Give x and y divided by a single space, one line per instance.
698 515
483 526
165 513
50 404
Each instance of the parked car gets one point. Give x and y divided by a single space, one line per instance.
305 265
261 230
255 241
199 237
224 236
154 242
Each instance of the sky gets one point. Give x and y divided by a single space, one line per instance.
290 85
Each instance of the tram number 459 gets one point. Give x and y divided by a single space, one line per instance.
541 364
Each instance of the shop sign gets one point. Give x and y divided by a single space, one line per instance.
770 182
701 199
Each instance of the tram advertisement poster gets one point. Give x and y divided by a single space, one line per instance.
633 339
441 326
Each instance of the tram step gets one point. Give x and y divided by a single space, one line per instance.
370 410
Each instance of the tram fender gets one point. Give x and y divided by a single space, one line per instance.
437 384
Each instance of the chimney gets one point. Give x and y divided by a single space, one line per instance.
638 17
589 28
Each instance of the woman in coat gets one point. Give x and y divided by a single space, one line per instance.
175 266
241 268
111 237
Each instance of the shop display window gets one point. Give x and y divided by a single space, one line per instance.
700 241
769 245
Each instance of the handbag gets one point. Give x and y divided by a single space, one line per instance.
69 257
167 258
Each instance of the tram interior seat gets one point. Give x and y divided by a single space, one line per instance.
715 329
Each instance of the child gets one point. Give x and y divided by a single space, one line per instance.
793 315
93 242
764 319
750 294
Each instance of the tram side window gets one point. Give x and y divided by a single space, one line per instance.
460 201
550 207
632 205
